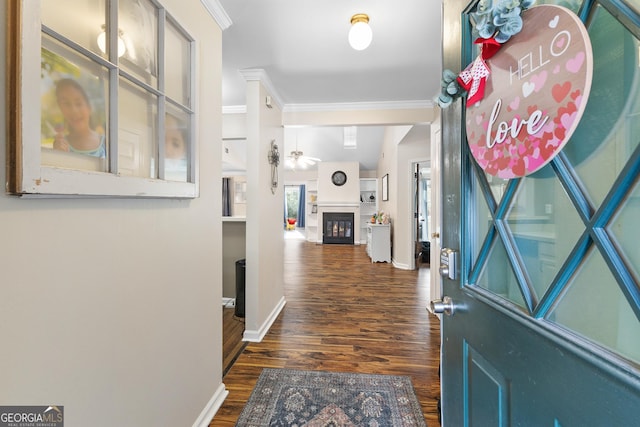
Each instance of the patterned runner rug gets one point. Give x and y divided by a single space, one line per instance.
290 398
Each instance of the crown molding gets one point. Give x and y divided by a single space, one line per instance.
218 13
356 106
259 74
350 106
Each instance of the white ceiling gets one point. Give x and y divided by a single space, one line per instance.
302 46
328 142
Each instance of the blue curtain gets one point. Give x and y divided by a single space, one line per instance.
301 203
284 216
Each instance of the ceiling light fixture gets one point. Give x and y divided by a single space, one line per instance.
102 42
360 34
297 159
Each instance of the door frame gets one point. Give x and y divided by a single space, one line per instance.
414 207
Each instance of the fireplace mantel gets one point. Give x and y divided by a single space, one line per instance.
339 204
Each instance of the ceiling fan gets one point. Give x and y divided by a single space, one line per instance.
297 159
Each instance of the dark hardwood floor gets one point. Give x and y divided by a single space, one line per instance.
232 344
344 314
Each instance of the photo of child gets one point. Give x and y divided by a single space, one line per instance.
176 139
73 106
175 144
76 134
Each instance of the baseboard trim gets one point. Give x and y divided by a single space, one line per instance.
228 302
401 266
256 336
209 411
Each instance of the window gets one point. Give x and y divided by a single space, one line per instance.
114 100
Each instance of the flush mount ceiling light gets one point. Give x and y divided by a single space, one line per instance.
102 42
360 34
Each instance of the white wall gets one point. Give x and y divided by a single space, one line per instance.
114 304
234 126
414 146
359 114
328 192
234 143
265 239
402 145
298 176
388 165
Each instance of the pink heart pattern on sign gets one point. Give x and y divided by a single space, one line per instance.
536 94
574 64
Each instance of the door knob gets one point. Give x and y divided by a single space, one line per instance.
444 305
435 235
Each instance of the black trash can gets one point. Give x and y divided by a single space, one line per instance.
240 287
426 252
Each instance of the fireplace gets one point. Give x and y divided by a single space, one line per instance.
337 227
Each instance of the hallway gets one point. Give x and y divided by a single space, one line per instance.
344 314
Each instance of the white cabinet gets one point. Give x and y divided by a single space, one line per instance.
368 204
311 211
379 242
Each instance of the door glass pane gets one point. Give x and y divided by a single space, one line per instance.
573 5
603 140
498 186
177 65
626 232
138 22
545 226
595 307
87 16
483 220
137 131
73 109
176 147
497 275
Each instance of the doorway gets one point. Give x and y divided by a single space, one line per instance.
294 207
422 214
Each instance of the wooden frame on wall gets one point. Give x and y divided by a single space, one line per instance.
385 188
34 170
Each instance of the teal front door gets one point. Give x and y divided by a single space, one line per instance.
542 323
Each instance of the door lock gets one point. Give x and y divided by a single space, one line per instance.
449 263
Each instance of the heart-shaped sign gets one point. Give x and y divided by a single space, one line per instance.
547 68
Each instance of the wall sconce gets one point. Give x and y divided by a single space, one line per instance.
102 42
360 34
273 156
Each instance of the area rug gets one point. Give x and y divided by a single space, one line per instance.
294 398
